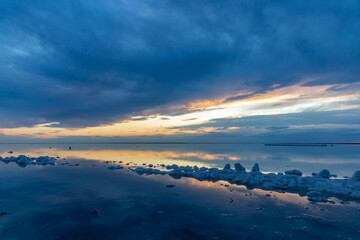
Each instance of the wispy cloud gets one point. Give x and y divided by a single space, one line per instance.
295 99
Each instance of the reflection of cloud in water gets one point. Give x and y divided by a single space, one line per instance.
341 160
327 161
256 195
136 156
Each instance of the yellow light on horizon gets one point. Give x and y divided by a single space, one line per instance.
290 99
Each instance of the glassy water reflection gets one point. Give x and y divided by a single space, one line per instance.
56 202
342 160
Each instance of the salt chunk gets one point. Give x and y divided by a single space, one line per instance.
324 174
255 168
227 166
294 172
239 167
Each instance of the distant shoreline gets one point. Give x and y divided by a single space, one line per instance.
169 143
296 145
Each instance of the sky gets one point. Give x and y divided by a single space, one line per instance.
156 70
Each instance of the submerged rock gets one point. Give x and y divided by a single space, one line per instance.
95 212
4 213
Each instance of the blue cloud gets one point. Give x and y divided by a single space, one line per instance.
92 62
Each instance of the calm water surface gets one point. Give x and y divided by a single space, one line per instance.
339 159
56 202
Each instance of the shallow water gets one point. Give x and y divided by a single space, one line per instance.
342 160
49 202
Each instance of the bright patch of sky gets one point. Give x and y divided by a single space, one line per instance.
286 100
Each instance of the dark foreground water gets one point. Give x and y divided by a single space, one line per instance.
56 202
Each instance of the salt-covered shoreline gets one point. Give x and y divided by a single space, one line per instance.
318 188
23 160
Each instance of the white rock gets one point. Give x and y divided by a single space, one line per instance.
319 187
23 160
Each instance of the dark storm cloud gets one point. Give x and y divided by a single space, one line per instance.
91 62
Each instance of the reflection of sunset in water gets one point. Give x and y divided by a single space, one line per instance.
341 160
135 156
257 195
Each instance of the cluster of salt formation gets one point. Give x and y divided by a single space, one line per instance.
23 160
324 174
318 187
115 167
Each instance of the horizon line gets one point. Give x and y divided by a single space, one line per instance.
186 142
